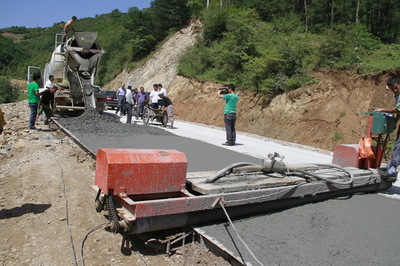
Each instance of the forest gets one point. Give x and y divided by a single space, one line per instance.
264 45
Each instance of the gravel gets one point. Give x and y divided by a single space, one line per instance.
91 122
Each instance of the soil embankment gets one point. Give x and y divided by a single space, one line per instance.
322 115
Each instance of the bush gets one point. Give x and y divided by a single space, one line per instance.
346 45
8 92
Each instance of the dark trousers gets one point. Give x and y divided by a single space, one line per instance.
395 161
139 111
128 108
230 120
121 105
32 118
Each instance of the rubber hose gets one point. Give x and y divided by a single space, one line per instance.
224 171
328 180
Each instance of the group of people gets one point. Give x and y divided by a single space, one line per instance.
158 99
129 98
40 102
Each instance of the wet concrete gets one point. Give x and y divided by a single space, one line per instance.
362 230
103 131
347 231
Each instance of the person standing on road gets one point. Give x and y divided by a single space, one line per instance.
121 92
231 99
390 171
129 104
33 99
154 97
162 90
166 106
141 97
67 27
2 121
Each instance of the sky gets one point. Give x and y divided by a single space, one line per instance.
44 13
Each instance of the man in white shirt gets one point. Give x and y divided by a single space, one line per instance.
49 84
154 97
162 90
129 104
120 94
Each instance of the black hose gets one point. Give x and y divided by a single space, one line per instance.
225 171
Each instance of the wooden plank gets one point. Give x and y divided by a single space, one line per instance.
250 181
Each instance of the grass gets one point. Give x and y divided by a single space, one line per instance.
337 136
386 57
22 97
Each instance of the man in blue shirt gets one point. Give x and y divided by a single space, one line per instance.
231 100
141 96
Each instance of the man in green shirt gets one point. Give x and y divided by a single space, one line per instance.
33 99
231 100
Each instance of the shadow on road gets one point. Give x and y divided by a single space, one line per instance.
24 209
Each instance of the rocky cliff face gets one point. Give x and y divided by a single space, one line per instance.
324 114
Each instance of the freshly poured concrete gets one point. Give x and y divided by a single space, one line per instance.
358 230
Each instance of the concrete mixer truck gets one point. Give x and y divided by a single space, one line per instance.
74 72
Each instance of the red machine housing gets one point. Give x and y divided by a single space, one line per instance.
381 125
140 171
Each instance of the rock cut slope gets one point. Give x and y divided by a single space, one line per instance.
323 114
162 66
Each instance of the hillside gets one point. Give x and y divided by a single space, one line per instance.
322 115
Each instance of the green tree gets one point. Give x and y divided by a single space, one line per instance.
346 45
8 92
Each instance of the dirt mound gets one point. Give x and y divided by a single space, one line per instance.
322 115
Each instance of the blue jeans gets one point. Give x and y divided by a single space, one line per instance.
121 104
32 118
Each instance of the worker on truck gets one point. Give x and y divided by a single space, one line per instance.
390 171
67 27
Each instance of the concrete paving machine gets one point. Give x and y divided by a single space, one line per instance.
150 190
74 71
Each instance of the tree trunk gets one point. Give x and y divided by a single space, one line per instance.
357 10
332 10
305 11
